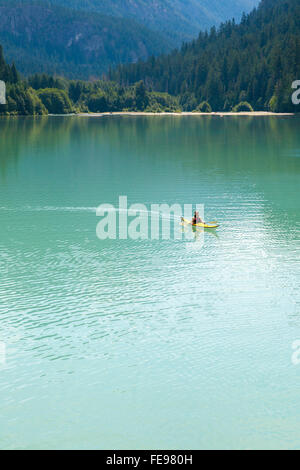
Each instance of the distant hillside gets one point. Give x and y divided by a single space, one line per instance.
255 61
48 38
178 19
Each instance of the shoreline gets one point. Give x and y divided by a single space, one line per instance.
219 114
140 113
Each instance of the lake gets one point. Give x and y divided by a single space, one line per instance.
141 343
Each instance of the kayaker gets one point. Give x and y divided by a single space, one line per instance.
197 219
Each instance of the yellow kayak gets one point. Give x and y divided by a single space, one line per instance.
187 222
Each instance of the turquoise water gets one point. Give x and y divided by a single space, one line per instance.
147 343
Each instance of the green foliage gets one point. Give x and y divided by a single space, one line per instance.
42 81
75 90
204 107
22 100
162 102
243 106
273 104
188 101
141 96
254 61
97 103
55 101
8 73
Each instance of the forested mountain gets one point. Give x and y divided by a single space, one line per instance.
178 19
237 67
82 38
255 61
48 38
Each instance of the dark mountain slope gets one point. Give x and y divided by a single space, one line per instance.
46 38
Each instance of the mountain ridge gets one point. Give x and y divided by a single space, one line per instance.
40 37
178 19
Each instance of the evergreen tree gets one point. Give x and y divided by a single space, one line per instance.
253 61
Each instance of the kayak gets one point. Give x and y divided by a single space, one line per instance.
187 222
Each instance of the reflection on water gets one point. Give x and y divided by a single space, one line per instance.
140 343
215 138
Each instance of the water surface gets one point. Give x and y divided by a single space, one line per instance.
147 344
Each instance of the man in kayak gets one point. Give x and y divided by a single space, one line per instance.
197 219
